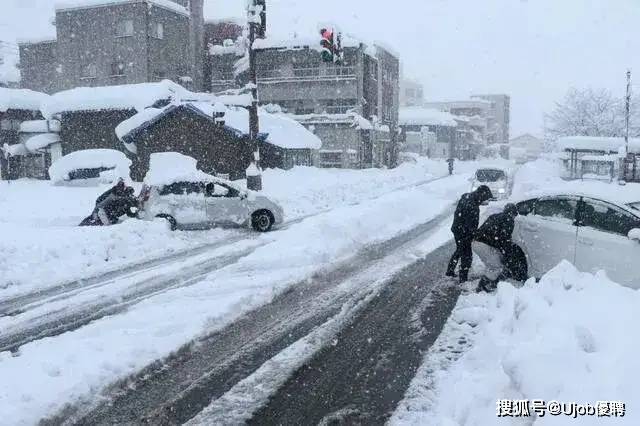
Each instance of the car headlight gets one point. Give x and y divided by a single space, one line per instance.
501 191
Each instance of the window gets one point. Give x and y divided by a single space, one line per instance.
490 175
339 106
304 70
117 69
557 208
89 71
606 217
525 207
157 30
124 28
181 188
269 70
221 191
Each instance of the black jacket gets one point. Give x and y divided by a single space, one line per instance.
115 191
496 231
116 207
467 215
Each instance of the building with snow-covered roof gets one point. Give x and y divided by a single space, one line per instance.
217 137
292 74
89 116
427 131
16 106
115 42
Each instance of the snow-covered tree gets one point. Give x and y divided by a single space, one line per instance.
590 112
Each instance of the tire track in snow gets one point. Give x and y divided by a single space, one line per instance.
51 323
174 390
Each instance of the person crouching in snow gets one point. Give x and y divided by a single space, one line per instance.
112 208
465 224
493 245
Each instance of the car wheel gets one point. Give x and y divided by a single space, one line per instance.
173 225
262 221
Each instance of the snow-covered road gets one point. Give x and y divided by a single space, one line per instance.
140 327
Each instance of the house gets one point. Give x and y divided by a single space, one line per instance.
37 148
16 106
292 74
89 116
216 136
117 42
429 132
599 157
348 140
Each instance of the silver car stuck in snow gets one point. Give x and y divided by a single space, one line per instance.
207 203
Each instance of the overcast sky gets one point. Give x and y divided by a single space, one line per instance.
532 50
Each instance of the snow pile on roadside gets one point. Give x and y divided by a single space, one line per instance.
50 372
307 190
36 258
565 339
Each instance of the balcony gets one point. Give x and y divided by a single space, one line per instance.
308 74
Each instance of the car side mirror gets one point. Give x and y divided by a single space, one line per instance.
243 195
634 234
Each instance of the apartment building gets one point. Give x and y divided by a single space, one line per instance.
115 42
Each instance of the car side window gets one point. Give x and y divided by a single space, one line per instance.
606 217
182 188
216 190
525 207
557 209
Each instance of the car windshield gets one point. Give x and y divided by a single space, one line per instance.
490 175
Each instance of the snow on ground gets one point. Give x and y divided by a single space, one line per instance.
49 372
554 340
38 232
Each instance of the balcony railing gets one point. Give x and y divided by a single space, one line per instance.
308 74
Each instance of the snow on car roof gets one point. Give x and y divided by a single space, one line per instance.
418 116
589 143
128 96
166 168
24 99
79 4
90 159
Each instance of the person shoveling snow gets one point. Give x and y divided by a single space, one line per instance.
492 243
112 205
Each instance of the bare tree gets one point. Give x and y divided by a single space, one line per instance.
588 112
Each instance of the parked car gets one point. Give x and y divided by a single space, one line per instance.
592 233
209 202
497 179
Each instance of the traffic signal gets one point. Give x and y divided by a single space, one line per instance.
326 43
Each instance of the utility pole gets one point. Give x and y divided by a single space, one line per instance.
257 26
627 114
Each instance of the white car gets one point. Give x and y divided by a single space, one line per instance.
498 180
210 202
592 233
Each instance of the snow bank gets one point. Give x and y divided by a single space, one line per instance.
90 159
40 126
417 116
166 168
128 96
565 339
21 99
543 176
43 140
77 4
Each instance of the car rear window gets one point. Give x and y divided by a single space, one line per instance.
488 175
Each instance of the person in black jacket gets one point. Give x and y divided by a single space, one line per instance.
114 207
494 244
465 224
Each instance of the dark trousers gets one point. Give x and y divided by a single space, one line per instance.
463 254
